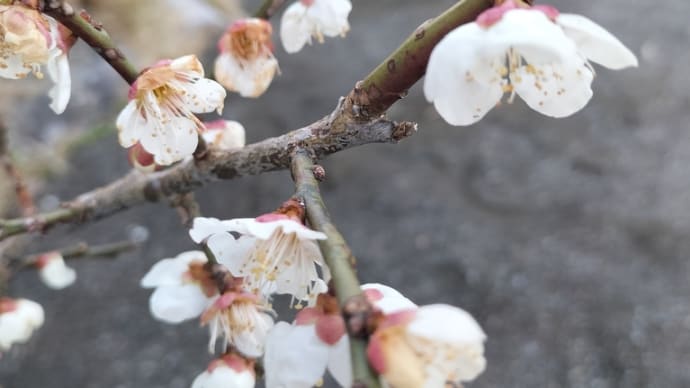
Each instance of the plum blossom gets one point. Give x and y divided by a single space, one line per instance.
228 371
305 19
29 40
219 134
427 347
275 253
54 272
298 355
183 287
18 320
160 113
246 64
224 134
241 319
534 52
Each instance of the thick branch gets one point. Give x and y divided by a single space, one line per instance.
271 154
341 262
390 80
93 34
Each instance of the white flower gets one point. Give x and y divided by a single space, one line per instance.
239 318
29 40
224 134
533 52
296 357
160 113
229 371
428 347
18 319
274 253
387 299
54 272
246 64
305 19
184 288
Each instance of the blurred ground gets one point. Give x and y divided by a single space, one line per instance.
567 239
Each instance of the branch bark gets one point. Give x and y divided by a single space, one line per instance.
268 8
340 260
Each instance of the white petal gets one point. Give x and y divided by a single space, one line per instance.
56 274
392 300
330 16
12 67
533 35
224 377
172 141
248 78
461 77
339 363
130 125
295 28
295 357
595 43
457 341
557 90
231 136
252 342
174 304
17 326
231 252
31 312
202 95
58 70
204 227
170 272
188 63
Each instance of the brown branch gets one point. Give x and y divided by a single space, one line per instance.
92 33
391 79
268 8
341 262
79 251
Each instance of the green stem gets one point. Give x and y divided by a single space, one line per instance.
268 8
391 79
94 35
341 263
37 223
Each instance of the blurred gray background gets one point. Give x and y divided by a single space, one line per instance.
567 239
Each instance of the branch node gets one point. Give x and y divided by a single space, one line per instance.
403 130
319 172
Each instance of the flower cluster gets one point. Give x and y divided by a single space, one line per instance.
535 52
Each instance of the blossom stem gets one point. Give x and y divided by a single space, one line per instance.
93 34
391 79
83 250
268 8
341 262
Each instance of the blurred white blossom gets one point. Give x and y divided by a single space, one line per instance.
246 64
305 19
229 371
224 134
18 320
54 272
30 40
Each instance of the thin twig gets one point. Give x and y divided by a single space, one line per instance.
341 263
93 34
81 250
268 8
